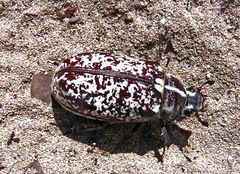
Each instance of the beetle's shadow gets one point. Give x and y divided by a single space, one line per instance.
117 138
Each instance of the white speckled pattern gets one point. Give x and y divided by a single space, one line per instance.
116 88
109 87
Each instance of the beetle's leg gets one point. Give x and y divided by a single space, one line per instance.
166 137
164 133
167 142
187 158
160 46
136 127
159 50
158 155
164 45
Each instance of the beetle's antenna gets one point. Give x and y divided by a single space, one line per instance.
204 108
208 82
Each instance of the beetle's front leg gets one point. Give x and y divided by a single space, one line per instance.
164 133
167 142
166 138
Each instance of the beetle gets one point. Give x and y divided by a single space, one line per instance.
116 88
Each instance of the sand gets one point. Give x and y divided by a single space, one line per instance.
201 39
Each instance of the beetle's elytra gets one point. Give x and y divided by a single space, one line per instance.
117 88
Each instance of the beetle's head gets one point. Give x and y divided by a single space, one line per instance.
195 101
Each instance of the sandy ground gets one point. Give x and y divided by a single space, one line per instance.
202 40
